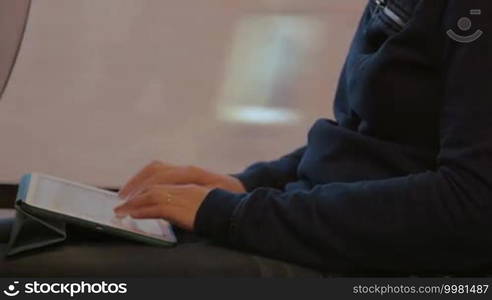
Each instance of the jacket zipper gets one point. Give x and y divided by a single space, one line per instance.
383 5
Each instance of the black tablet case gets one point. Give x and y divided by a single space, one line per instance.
31 231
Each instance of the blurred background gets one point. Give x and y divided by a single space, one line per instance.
102 87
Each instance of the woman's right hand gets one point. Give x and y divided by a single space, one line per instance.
163 173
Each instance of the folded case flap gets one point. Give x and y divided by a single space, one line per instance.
31 231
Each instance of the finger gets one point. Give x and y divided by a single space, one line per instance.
141 176
146 185
144 199
169 176
149 212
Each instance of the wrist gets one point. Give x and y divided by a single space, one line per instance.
214 215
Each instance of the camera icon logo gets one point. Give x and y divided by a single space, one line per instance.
11 291
465 24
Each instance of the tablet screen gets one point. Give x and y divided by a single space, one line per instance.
91 204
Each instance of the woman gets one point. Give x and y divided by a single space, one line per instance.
401 182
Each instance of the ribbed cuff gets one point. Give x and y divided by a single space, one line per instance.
214 216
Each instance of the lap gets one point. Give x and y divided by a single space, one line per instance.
96 254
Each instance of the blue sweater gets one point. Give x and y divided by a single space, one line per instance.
401 182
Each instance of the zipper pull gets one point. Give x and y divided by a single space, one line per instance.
393 16
380 3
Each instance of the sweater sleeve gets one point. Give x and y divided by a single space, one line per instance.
274 174
434 221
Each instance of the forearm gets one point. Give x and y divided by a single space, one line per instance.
420 223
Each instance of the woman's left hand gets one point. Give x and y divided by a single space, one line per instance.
178 204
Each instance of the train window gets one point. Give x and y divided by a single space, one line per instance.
101 88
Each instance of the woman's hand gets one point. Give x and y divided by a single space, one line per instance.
163 173
178 204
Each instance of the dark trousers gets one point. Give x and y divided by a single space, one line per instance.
96 254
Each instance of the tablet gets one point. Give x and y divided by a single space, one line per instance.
89 206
